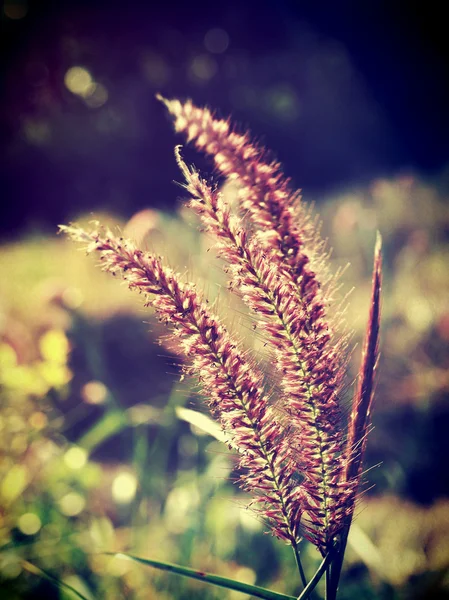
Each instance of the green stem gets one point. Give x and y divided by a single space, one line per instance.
299 564
328 592
324 566
337 564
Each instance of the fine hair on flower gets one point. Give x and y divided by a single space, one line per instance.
299 461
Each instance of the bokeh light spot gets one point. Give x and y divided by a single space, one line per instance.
419 313
203 67
16 423
14 482
124 487
54 346
10 566
78 80
96 95
283 102
188 446
155 69
94 392
75 458
29 523
180 506
15 10
19 444
216 40
72 297
72 504
36 131
38 420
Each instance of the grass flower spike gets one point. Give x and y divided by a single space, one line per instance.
232 386
299 460
307 363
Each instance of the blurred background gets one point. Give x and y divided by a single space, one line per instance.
99 453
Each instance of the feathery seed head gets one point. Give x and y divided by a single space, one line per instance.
291 314
291 449
233 387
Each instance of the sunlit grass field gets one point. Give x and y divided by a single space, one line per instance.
100 458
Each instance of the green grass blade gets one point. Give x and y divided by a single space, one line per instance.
54 580
230 584
110 424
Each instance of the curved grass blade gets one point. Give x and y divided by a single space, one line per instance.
110 424
52 579
201 421
225 582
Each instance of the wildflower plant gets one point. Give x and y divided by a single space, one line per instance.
298 459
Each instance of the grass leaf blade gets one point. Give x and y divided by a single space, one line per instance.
225 582
360 415
31 568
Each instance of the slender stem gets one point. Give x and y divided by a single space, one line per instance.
298 562
328 583
337 563
324 566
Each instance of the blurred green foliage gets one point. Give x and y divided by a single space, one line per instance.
97 456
